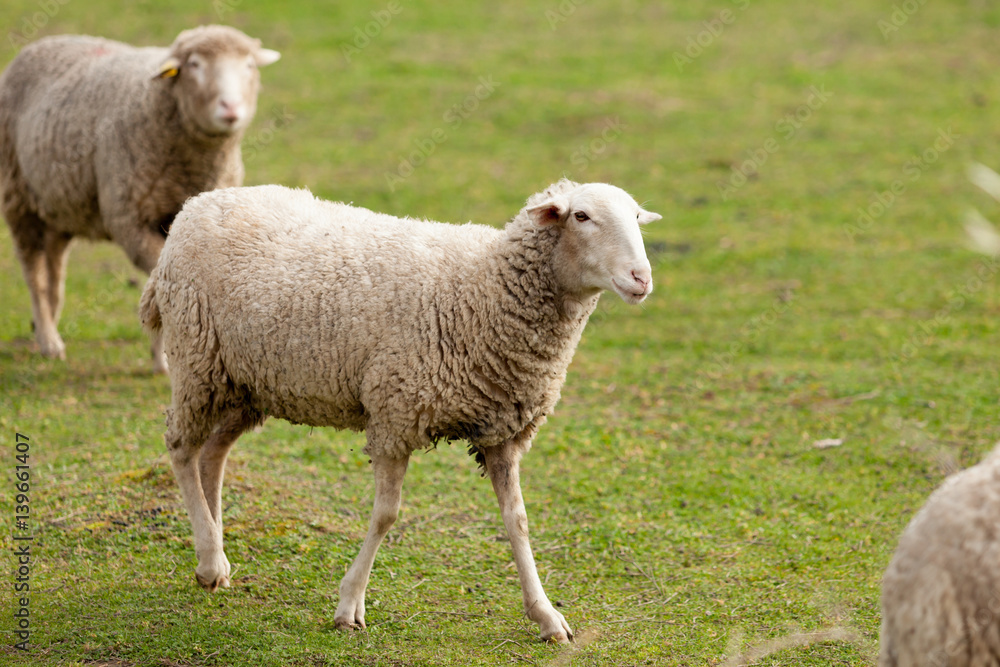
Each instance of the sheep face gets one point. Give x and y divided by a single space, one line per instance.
213 71
600 245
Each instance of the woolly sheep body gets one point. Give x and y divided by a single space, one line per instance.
274 303
62 163
93 145
370 370
941 591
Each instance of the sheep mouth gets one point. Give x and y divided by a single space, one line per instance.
630 296
227 126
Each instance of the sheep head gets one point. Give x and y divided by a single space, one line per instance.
214 77
600 245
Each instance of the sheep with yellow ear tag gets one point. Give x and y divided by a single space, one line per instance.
104 140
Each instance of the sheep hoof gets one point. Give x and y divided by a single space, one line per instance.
556 629
348 624
212 585
350 616
54 349
560 637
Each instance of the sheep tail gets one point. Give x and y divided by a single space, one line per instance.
149 309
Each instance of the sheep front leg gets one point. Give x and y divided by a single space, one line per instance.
211 470
389 475
143 245
503 466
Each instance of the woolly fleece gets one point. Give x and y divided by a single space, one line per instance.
275 303
92 145
941 591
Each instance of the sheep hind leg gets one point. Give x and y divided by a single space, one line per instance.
56 256
211 469
159 356
389 473
186 459
503 466
28 231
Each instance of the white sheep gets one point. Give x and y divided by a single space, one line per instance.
274 303
941 591
104 140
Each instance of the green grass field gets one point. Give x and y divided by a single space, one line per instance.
680 512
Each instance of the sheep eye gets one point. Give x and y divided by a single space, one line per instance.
581 216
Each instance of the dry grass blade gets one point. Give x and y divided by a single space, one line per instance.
987 179
794 640
983 236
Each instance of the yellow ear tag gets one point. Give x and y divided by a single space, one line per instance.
168 69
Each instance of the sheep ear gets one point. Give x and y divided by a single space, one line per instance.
170 67
265 57
648 216
549 212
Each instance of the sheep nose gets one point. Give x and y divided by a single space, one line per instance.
230 110
644 277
